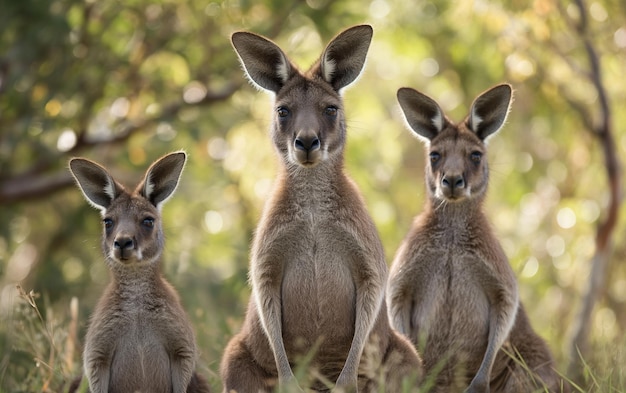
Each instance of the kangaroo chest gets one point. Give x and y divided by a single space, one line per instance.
318 292
452 307
140 357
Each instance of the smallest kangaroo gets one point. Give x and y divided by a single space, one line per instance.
451 289
139 338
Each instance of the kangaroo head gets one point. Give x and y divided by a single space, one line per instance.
133 232
308 124
457 166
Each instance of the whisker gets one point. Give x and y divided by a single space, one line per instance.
442 204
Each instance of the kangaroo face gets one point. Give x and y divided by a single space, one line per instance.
457 167
457 163
308 124
132 231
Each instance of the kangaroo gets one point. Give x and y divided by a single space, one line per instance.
139 338
317 268
451 289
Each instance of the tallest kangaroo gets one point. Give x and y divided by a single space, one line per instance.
317 268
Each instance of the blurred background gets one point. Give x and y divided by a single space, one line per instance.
123 82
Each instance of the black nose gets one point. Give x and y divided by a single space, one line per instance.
124 243
307 143
453 182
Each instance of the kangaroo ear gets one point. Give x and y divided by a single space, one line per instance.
490 110
422 113
162 178
344 57
97 185
264 62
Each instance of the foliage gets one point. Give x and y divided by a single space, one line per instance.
124 82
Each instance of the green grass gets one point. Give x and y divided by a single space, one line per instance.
41 351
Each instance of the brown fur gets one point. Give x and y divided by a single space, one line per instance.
451 289
317 267
139 337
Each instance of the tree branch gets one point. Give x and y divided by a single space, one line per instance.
606 227
35 184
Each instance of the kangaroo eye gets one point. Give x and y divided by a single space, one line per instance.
434 157
331 111
282 112
108 223
148 222
476 156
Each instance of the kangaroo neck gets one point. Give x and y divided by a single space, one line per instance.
324 177
137 278
461 214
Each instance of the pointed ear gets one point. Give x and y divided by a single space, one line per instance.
97 185
344 57
489 111
265 63
422 113
162 178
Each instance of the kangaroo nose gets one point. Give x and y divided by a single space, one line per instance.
124 243
307 143
453 182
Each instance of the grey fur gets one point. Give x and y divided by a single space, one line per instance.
451 289
139 338
317 266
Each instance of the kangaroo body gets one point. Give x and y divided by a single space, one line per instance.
137 335
139 338
451 289
317 266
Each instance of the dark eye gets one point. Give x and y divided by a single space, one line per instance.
108 223
282 112
476 156
331 111
434 157
148 222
